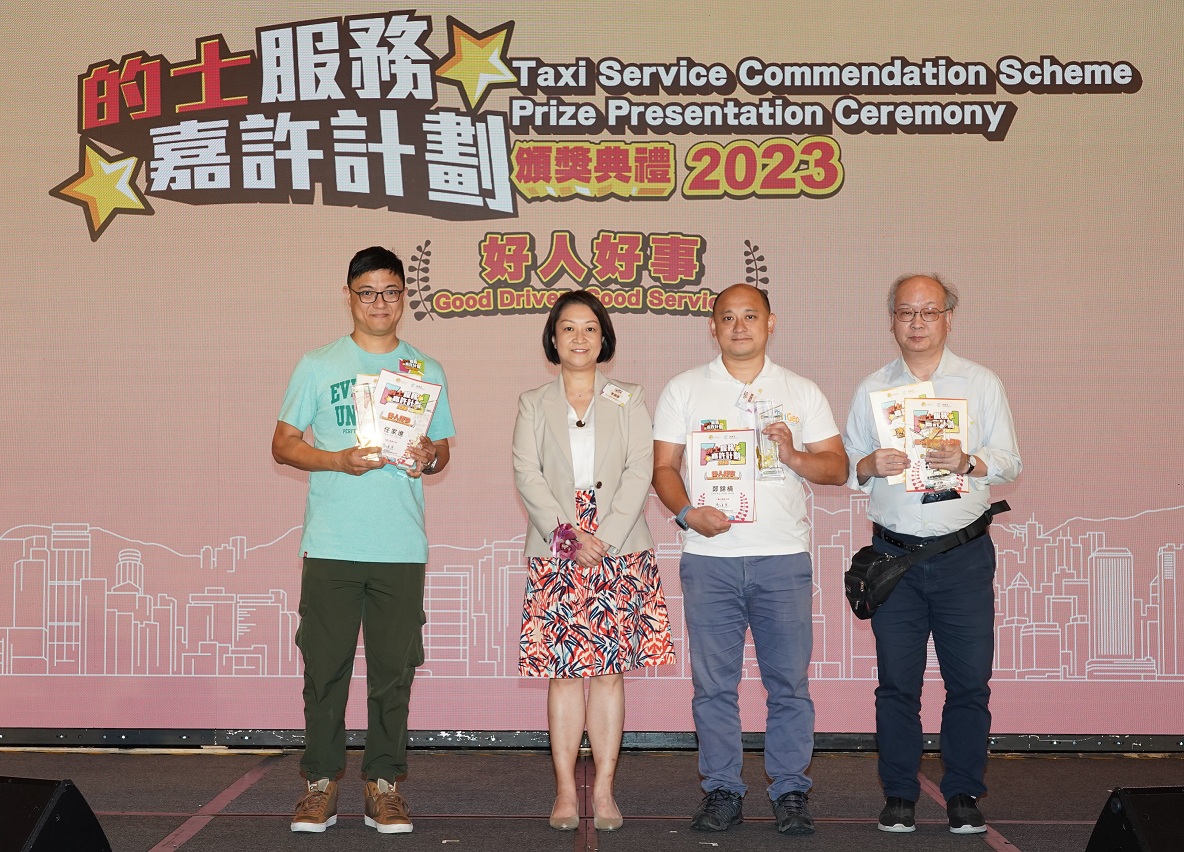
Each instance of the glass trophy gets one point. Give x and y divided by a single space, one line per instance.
768 465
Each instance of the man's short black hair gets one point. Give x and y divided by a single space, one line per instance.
372 259
608 337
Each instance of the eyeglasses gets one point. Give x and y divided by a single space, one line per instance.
907 314
368 297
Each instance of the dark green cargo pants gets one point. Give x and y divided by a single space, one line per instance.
386 600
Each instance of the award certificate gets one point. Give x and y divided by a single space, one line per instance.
888 412
721 469
404 405
927 423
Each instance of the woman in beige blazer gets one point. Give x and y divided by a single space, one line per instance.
583 455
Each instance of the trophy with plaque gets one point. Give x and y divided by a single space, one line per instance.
768 462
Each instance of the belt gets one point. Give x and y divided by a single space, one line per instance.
938 544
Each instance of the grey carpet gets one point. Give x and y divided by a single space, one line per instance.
1037 803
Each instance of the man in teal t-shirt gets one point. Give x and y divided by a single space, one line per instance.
364 546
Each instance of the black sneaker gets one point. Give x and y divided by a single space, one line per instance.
965 817
898 815
792 815
720 810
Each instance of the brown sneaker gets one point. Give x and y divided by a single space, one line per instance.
317 809
386 810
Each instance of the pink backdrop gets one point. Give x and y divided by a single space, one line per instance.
149 573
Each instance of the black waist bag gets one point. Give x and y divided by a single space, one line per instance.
872 576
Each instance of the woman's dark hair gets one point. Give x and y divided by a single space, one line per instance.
608 337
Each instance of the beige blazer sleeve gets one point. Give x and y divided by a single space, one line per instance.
623 467
539 468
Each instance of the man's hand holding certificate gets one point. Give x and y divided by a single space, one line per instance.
721 472
397 415
934 425
888 411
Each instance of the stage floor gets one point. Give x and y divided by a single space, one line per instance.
478 800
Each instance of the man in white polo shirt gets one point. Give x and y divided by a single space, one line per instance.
749 575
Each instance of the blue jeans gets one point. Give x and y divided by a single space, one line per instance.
951 595
722 598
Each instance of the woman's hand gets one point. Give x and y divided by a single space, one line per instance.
591 551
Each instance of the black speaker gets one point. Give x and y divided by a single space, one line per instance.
47 816
1140 819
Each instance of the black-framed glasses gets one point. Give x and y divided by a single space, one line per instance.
368 297
907 314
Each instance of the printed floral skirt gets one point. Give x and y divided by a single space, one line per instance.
582 622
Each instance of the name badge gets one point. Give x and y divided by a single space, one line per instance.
749 394
411 366
618 395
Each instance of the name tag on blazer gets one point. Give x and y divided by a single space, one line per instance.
618 395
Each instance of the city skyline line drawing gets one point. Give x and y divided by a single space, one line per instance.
1073 603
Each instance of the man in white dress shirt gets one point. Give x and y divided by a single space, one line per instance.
950 595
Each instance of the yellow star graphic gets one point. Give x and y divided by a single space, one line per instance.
103 187
477 61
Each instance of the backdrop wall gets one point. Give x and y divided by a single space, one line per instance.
182 192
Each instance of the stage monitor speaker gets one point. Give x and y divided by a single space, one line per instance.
1140 819
37 815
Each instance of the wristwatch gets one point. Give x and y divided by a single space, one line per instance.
430 468
681 519
969 466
